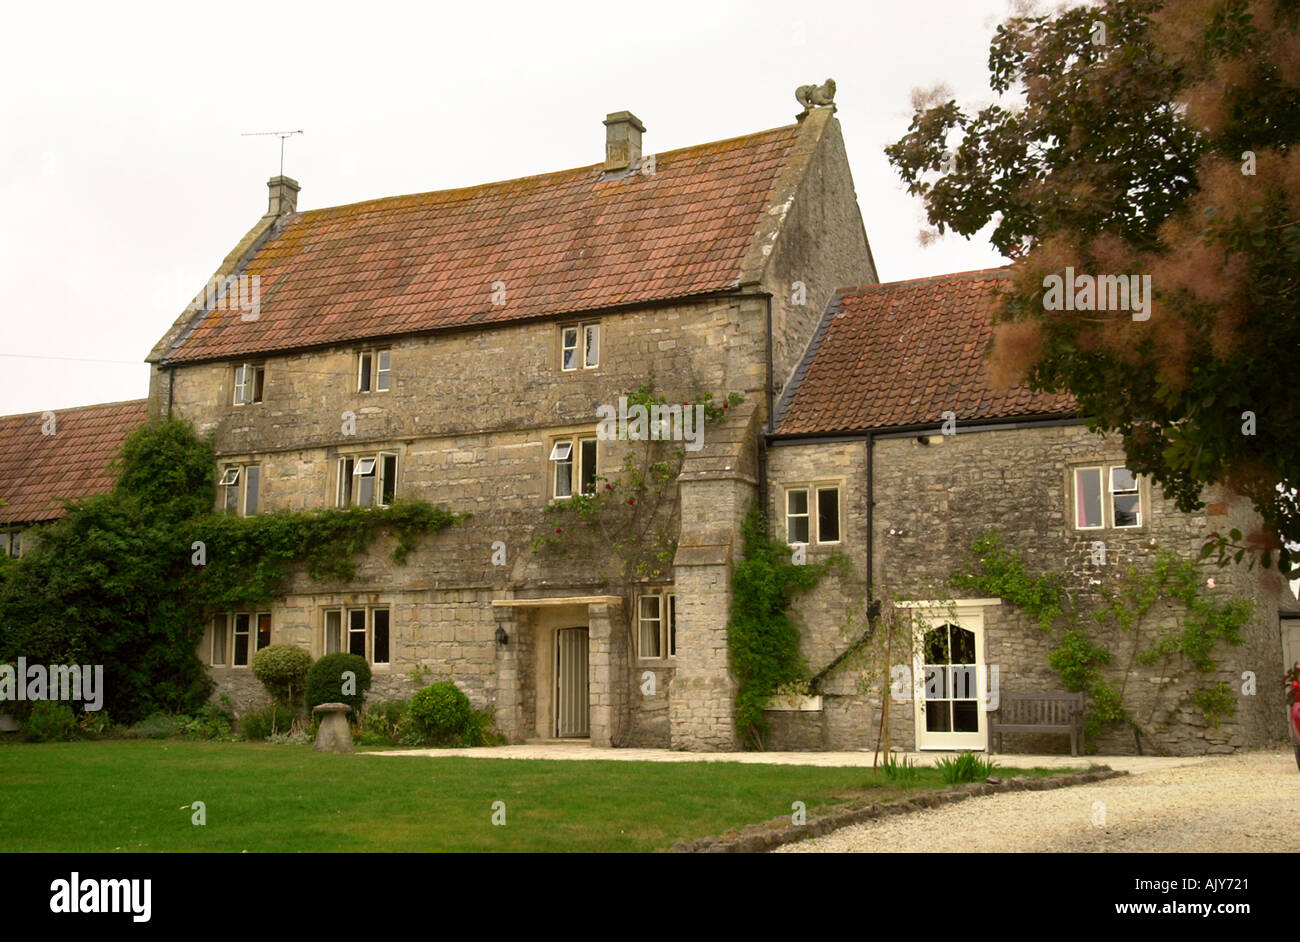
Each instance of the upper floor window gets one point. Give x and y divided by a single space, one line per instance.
241 487
814 504
367 480
580 346
1106 496
657 626
565 454
360 631
11 542
373 370
235 635
249 380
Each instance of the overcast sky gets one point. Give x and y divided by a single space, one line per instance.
124 178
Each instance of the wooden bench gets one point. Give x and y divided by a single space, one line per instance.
1038 713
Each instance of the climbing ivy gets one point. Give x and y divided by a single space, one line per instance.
1169 584
761 634
124 579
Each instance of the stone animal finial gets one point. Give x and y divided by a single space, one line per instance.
812 96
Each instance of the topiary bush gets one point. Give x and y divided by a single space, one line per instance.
49 721
443 714
282 669
259 724
325 681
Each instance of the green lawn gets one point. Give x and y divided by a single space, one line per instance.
135 796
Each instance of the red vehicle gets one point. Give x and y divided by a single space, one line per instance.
1293 708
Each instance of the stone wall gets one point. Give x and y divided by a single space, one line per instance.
933 499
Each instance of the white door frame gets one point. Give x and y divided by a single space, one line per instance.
967 614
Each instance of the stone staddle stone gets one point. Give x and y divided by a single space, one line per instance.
333 734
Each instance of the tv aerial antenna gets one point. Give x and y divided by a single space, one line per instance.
282 135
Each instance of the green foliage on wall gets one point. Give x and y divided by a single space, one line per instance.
1168 586
761 635
115 580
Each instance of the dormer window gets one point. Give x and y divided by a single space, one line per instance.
249 380
373 370
580 347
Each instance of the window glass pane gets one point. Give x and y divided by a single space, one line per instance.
333 631
592 345
570 335
16 544
649 626
263 630
232 498
365 466
363 382
380 616
1122 481
219 639
345 482
259 377
1087 498
561 451
588 472
357 631
564 478
240 658
381 377
672 626
229 476
366 491
389 479
1126 510
241 384
828 515
252 481
796 502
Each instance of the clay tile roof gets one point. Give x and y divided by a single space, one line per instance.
36 469
561 242
901 354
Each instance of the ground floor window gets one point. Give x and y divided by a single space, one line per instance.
657 625
361 631
236 635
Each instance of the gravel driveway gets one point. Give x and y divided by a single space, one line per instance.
1242 803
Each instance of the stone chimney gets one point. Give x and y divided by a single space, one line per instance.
284 196
623 132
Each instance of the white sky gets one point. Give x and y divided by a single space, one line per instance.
124 179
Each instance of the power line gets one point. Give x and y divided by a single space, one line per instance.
37 356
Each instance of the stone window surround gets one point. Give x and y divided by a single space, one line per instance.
581 327
228 654
1107 507
343 609
257 382
812 486
378 454
241 467
575 436
667 623
374 353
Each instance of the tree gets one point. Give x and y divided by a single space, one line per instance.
1145 138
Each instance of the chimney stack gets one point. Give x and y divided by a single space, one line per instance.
623 132
284 195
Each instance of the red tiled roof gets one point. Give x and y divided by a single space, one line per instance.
561 242
902 354
36 469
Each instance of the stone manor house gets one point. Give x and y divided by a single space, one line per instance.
454 346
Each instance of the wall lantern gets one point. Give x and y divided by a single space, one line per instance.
502 638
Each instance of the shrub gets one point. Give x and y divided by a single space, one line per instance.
282 669
211 722
49 721
386 723
967 767
259 724
96 725
157 726
325 681
444 714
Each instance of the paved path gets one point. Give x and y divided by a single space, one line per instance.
568 751
1234 804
